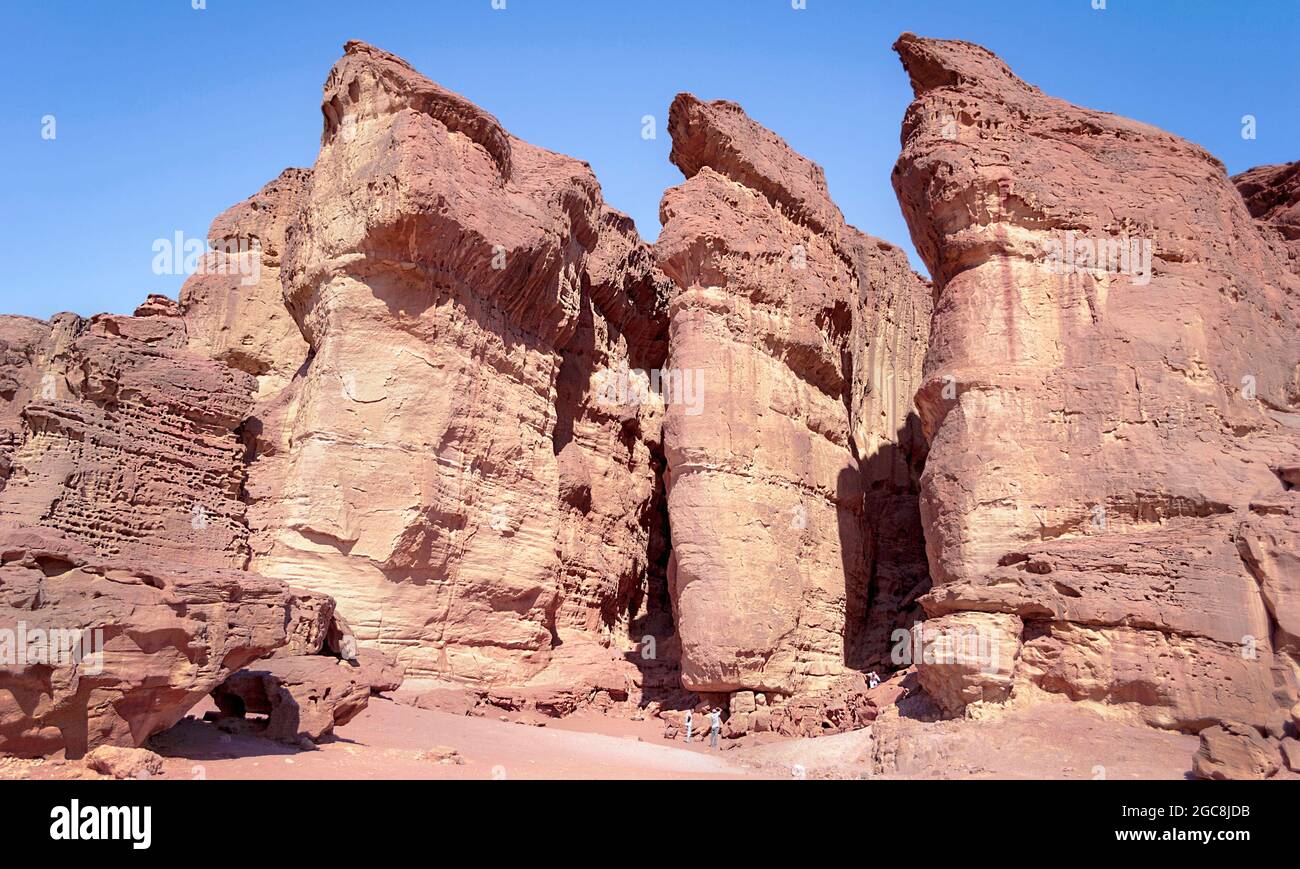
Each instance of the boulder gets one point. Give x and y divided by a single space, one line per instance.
311 620
124 763
442 754
303 697
1291 753
1233 750
379 671
968 657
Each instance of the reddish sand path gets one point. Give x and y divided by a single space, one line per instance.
386 741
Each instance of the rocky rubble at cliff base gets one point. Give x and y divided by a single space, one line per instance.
436 408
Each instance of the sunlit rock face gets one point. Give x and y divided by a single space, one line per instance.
1272 194
1110 395
781 333
450 468
233 305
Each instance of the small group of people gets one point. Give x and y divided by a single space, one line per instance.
715 725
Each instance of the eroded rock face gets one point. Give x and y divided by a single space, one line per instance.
122 532
117 649
783 371
1110 393
128 443
452 479
233 306
1272 195
891 331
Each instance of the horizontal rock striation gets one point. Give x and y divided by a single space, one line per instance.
123 598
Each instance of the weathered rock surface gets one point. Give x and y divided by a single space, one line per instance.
1272 195
968 657
1110 435
791 372
129 443
303 697
1233 750
891 331
1291 753
312 619
233 305
117 650
452 480
124 763
379 671
122 523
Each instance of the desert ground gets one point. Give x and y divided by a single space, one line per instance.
393 740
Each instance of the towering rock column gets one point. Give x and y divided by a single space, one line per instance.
1110 393
451 477
771 316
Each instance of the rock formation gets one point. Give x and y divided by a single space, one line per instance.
1234 751
128 443
123 601
454 479
1272 194
794 343
436 385
102 650
303 697
233 305
1110 397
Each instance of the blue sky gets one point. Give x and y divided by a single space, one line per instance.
166 115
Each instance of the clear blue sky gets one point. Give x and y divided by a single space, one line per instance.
167 115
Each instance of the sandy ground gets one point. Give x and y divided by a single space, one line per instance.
1047 741
388 741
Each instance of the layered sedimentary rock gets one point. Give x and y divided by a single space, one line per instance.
449 471
129 443
1272 194
99 649
1110 395
785 370
123 601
